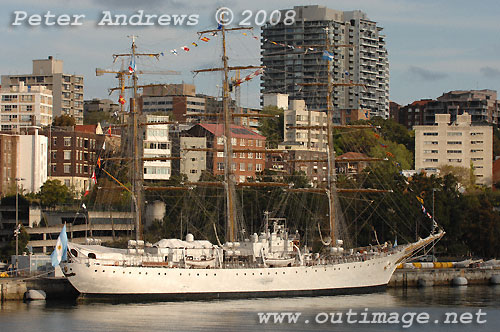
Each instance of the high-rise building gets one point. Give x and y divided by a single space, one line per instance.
23 107
67 89
293 54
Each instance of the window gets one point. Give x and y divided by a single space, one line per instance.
454 133
242 142
54 155
242 155
220 140
430 142
67 141
249 167
66 168
430 160
220 154
454 151
234 141
242 167
258 167
233 167
67 154
67 183
258 143
430 134
455 160
476 150
220 166
250 155
476 142
430 151
476 159
258 155
454 142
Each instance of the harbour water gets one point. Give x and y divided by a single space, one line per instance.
472 308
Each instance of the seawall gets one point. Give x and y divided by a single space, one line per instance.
56 288
440 277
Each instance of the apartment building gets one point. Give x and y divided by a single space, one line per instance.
23 161
292 55
193 163
459 143
179 99
73 156
245 164
22 106
157 145
481 105
67 89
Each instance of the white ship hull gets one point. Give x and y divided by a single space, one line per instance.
156 282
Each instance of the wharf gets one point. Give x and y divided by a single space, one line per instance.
440 277
56 288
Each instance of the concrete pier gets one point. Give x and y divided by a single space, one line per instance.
56 288
440 277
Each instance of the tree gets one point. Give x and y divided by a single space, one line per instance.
272 128
10 249
53 192
64 121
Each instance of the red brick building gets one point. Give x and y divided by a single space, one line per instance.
246 164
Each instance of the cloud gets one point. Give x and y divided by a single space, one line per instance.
490 72
425 74
134 4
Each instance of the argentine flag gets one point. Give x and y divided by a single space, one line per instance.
59 252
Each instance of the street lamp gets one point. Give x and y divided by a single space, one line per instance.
17 230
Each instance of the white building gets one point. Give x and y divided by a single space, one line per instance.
24 106
67 89
157 144
297 115
32 161
193 163
460 143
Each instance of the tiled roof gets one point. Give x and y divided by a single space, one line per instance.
237 131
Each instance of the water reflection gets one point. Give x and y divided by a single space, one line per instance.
229 315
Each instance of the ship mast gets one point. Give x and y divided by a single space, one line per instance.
136 134
229 183
330 149
228 166
331 180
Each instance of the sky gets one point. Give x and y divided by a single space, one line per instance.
434 46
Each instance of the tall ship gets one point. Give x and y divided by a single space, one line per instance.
270 262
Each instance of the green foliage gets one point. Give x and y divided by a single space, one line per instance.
53 192
272 128
64 121
10 249
92 118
